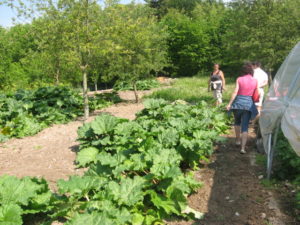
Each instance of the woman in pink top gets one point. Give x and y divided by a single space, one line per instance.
242 105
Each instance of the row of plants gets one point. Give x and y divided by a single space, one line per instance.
137 172
141 85
27 112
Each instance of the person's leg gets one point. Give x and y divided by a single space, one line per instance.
237 125
244 142
215 96
219 97
246 115
237 130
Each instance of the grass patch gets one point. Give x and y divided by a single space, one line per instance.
261 160
192 90
269 184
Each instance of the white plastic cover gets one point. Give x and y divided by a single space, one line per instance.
282 103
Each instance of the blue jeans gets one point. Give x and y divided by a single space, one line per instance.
242 118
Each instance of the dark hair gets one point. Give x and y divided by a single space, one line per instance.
256 63
247 69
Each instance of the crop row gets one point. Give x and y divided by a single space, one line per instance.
27 112
137 172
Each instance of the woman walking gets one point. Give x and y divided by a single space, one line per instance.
216 83
242 105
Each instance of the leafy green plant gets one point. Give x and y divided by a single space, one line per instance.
21 197
27 112
103 100
137 169
137 172
287 165
141 85
192 90
287 161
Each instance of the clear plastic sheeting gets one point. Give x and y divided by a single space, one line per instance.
282 104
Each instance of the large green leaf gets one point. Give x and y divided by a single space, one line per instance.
93 219
128 192
111 210
104 123
10 214
17 191
162 202
165 163
87 156
80 185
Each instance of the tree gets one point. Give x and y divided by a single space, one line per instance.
188 44
263 30
50 32
68 25
163 6
80 16
213 15
137 43
16 43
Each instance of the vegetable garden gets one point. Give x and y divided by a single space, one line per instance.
139 172
25 112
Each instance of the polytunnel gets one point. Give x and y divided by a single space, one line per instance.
281 107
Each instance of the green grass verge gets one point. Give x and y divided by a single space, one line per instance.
192 90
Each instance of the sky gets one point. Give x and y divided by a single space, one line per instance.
6 14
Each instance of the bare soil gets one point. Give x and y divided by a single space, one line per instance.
51 153
231 194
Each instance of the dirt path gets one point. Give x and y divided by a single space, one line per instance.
51 153
232 193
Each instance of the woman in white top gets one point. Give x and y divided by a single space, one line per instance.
262 79
216 83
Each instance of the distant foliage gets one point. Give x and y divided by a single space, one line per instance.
188 44
137 41
264 30
141 85
27 112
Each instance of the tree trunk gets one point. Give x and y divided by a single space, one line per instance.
96 87
57 77
85 94
135 93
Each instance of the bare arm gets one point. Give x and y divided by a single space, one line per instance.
234 94
223 80
208 86
264 83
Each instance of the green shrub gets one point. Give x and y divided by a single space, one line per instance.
141 85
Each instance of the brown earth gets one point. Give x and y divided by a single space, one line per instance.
231 194
51 153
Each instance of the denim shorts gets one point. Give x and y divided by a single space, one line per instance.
242 118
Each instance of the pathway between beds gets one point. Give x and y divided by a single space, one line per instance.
51 153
